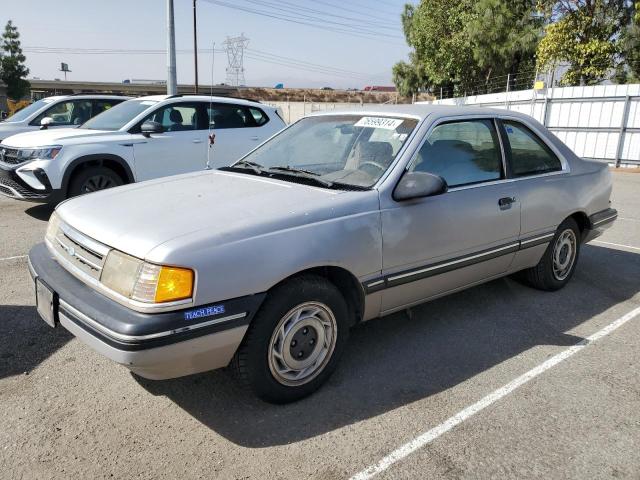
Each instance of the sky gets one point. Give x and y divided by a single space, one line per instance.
358 40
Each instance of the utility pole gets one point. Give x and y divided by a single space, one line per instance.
172 82
195 47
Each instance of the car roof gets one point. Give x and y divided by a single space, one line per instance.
87 95
203 98
418 110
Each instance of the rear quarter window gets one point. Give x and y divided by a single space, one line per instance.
529 154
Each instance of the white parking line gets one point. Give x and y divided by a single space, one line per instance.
13 258
616 244
429 436
629 219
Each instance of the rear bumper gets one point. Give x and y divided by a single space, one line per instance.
155 346
598 223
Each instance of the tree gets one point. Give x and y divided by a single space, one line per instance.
585 34
14 71
466 45
630 48
504 36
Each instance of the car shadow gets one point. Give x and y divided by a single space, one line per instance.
40 212
25 340
397 360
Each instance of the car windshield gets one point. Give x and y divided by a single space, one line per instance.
117 117
28 110
352 150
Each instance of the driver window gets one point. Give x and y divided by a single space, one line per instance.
462 153
74 112
176 117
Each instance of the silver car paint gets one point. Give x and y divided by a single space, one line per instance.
244 234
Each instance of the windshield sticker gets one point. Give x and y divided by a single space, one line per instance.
379 122
147 102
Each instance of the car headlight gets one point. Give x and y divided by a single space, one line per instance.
42 153
146 282
52 227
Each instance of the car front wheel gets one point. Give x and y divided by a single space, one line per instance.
559 261
295 340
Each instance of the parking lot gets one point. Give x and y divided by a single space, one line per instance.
404 387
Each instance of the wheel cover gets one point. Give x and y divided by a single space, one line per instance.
97 182
302 343
564 254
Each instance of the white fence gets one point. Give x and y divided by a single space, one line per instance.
294 111
600 122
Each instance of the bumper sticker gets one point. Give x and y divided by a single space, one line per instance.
204 312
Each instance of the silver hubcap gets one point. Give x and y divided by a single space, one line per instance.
97 182
302 343
564 254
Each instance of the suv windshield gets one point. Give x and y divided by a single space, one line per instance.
343 149
28 110
117 117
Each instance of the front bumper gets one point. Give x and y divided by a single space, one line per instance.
155 346
12 186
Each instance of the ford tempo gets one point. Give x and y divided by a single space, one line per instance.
340 218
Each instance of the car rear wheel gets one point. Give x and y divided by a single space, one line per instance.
93 179
558 263
295 340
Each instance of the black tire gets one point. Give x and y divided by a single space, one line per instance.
543 276
93 179
252 363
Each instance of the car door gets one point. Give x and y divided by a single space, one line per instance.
467 235
237 132
180 148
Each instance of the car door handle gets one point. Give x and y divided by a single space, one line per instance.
196 140
506 202
255 138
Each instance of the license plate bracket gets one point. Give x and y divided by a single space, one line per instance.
46 303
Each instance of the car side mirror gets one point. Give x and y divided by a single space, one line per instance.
45 122
418 185
149 127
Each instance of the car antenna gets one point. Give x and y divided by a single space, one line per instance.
211 137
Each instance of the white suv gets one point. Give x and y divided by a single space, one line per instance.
140 139
58 111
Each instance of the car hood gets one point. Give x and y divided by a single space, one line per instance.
9 129
55 136
226 206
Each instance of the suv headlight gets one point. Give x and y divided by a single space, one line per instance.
42 153
146 282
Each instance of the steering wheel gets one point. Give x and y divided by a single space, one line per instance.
373 164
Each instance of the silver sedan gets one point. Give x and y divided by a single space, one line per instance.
340 218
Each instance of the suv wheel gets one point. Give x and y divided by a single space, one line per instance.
93 179
295 340
558 263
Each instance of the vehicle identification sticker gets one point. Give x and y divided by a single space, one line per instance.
204 312
379 122
148 102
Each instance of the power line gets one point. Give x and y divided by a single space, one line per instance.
295 12
290 19
297 8
340 7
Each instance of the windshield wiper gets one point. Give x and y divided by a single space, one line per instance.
299 172
256 167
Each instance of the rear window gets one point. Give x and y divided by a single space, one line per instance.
228 115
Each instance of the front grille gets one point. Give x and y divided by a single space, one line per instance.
79 251
14 190
9 156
